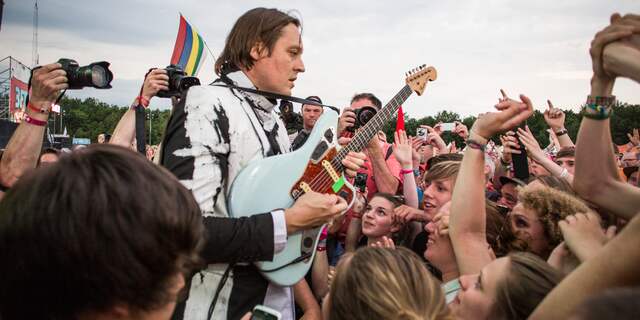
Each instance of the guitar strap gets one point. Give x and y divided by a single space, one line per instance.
272 95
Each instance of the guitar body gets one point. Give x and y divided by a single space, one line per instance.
274 182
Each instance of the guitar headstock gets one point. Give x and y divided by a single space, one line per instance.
417 78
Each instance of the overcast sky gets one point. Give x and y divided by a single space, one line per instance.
539 48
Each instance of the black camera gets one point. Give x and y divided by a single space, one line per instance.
96 75
363 115
360 181
179 82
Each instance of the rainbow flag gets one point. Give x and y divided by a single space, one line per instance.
188 52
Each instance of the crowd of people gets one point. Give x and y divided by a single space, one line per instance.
433 231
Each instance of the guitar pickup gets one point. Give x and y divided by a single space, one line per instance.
328 135
320 149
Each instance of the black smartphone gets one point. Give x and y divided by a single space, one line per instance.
520 161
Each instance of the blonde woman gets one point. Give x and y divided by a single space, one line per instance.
383 283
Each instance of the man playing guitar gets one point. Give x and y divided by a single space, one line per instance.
211 136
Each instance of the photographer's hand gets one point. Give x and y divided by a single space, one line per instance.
156 80
347 120
46 84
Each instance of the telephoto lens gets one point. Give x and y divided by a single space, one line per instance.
96 75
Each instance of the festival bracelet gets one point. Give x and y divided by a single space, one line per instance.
406 171
42 110
34 122
599 108
561 132
475 145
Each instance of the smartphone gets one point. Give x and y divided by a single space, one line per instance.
449 126
520 161
261 312
421 133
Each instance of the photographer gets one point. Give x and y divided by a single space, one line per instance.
381 167
23 149
125 132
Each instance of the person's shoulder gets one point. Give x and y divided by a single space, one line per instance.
209 95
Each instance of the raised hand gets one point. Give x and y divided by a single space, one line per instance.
531 144
510 145
46 84
434 139
510 114
554 117
155 81
461 130
602 81
347 119
402 149
582 234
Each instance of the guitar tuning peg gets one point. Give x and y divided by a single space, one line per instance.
424 65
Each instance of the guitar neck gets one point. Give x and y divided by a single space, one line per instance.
366 133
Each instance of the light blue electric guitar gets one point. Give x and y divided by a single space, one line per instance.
317 166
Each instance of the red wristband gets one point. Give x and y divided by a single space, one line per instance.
33 121
405 171
36 109
143 101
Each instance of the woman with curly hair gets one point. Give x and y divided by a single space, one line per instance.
535 218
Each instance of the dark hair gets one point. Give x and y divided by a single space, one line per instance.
48 151
376 102
402 237
566 152
99 227
259 25
528 280
617 303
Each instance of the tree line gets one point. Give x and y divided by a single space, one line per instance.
89 117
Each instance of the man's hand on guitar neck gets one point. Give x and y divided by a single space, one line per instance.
312 210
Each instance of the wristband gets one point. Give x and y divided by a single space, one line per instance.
416 172
34 122
561 132
475 145
320 248
143 101
36 109
406 171
599 108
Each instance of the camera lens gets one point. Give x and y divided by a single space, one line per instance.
99 76
365 114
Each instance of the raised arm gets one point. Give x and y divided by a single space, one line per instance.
403 152
125 131
596 175
554 118
534 151
24 147
467 228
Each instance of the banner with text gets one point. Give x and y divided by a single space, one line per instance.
18 95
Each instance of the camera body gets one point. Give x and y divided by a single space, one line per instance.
360 181
179 82
363 115
96 75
